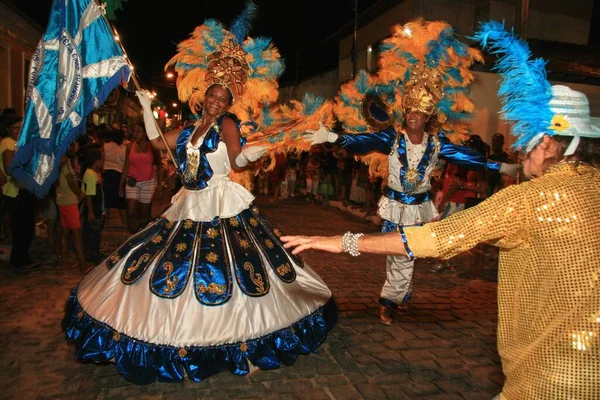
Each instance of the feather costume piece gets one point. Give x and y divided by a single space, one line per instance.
524 90
422 66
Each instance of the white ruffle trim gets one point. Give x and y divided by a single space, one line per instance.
222 198
405 214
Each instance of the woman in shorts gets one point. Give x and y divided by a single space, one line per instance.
138 180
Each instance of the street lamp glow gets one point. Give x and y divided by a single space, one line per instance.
170 75
174 104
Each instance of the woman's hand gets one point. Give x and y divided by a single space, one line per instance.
331 244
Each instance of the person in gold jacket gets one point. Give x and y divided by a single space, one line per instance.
549 266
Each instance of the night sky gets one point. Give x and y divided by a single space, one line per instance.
150 30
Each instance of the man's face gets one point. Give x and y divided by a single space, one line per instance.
497 143
415 120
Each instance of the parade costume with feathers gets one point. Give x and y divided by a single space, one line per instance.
422 67
207 286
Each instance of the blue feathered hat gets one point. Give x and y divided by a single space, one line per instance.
529 102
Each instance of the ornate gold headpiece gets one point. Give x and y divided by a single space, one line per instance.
228 67
422 91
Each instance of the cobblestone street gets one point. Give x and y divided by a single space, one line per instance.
443 347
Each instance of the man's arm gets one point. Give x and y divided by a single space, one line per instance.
355 143
381 142
465 156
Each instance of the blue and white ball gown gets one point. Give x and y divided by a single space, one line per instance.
205 287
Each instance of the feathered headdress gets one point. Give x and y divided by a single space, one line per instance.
430 67
529 102
422 66
248 67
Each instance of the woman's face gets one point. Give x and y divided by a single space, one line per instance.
138 133
545 154
15 129
216 101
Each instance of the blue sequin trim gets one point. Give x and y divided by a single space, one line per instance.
405 198
392 304
409 253
144 363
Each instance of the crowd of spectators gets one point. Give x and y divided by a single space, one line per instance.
104 170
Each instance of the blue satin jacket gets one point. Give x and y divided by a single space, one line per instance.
383 142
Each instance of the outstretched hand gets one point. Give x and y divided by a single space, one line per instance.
250 154
321 135
331 244
253 153
511 170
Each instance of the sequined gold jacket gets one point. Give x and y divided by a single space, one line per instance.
548 232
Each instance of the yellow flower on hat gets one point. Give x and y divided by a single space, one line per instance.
559 123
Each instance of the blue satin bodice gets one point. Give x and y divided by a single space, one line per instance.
209 145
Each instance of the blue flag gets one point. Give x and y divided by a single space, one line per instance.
76 65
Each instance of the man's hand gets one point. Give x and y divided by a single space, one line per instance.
332 244
321 135
510 169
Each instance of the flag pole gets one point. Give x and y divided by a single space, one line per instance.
135 81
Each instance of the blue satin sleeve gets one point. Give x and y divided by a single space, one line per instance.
368 142
465 156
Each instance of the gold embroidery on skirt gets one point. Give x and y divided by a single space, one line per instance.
257 279
136 265
171 283
284 269
212 288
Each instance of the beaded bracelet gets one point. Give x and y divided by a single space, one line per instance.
350 243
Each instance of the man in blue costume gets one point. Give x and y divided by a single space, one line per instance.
422 87
406 199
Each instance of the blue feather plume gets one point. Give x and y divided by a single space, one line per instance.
270 67
241 25
267 116
362 81
311 103
524 90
